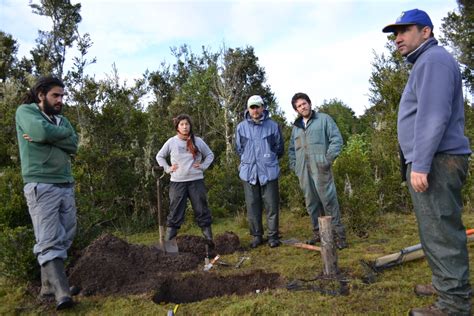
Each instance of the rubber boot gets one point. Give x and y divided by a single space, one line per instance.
256 241
46 289
58 281
207 233
171 233
316 237
340 239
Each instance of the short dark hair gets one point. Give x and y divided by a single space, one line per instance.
299 95
43 85
420 27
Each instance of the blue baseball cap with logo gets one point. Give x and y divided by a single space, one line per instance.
410 17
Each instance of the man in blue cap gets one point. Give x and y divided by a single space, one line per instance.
436 151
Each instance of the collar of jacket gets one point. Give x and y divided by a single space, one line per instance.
413 56
264 116
299 121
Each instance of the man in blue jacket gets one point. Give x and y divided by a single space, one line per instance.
259 144
314 145
431 136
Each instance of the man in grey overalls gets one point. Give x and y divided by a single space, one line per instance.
314 145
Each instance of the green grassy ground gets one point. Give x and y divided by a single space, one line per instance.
391 294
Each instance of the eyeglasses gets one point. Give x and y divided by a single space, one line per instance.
253 107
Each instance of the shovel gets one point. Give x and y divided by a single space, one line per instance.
168 246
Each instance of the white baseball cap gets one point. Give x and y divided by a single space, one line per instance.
255 100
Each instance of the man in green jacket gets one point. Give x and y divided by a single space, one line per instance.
314 145
47 140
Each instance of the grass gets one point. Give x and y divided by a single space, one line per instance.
391 294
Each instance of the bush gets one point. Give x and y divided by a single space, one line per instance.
356 186
17 260
226 194
13 209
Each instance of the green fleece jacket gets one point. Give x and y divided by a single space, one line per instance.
47 158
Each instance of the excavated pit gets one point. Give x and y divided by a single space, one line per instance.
204 285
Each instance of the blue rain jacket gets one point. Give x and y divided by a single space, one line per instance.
259 145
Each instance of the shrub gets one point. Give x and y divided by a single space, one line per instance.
226 194
13 209
17 260
357 189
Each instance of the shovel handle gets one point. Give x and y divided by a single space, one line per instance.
306 246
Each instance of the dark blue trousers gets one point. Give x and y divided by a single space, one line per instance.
256 196
442 233
197 194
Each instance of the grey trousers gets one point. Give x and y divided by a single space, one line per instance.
442 233
256 196
53 213
197 194
320 197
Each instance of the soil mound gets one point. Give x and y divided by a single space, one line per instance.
112 266
225 244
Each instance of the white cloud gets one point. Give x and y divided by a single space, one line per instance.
320 47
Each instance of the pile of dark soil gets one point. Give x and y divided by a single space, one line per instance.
225 244
110 265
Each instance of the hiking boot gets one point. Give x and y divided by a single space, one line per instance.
425 290
431 310
257 241
316 238
273 243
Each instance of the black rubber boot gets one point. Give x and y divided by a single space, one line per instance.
207 233
171 233
58 281
340 238
316 238
256 241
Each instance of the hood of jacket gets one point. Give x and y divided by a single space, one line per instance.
265 116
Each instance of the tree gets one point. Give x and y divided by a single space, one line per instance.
457 32
50 53
238 77
344 117
387 81
8 50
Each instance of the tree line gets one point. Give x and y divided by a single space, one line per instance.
122 126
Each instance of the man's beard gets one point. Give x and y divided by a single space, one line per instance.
50 109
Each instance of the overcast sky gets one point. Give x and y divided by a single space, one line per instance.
321 47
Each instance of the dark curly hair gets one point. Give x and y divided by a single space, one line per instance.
43 85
